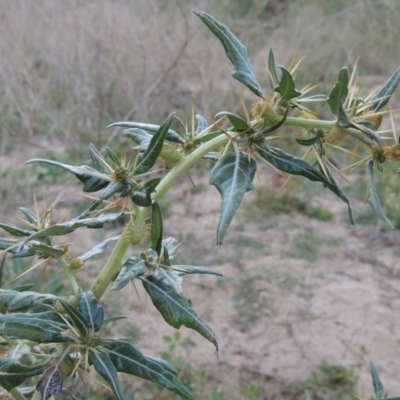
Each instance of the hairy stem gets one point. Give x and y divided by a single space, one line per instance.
16 394
110 269
69 273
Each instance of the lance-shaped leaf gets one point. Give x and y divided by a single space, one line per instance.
107 321
156 228
290 164
15 231
383 96
378 387
13 300
176 309
239 124
286 87
139 136
90 183
77 318
45 251
308 142
273 72
132 268
190 269
172 136
236 52
128 359
23 331
99 249
153 151
373 196
267 131
335 188
338 96
202 124
106 369
169 277
232 176
110 190
369 132
30 216
91 310
51 382
70 226
171 244
16 248
13 373
142 196
207 138
48 322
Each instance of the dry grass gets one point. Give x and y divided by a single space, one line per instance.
72 66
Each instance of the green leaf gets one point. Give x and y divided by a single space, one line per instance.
307 395
132 268
266 132
51 382
90 183
176 309
126 358
107 321
156 228
153 151
91 310
274 79
49 322
290 164
337 98
378 387
383 96
113 157
170 278
70 226
307 142
239 124
30 216
202 124
13 300
207 138
23 331
232 176
44 250
369 132
18 249
335 188
190 269
99 249
139 136
236 52
286 87
106 369
142 197
373 197
172 136
110 190
13 373
77 319
15 231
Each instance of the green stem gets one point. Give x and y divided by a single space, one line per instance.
16 394
70 275
186 163
318 124
111 267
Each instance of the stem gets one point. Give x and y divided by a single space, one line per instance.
318 124
186 163
70 274
111 267
16 394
